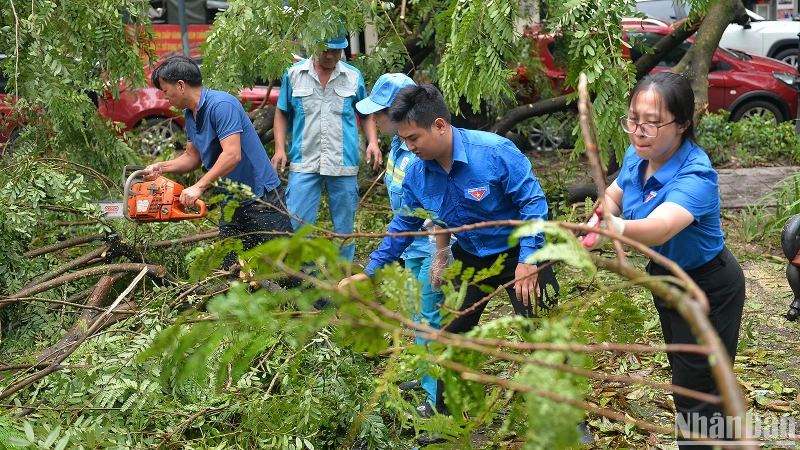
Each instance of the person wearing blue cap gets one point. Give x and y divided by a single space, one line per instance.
417 256
467 177
316 109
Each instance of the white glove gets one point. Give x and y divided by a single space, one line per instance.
439 263
594 240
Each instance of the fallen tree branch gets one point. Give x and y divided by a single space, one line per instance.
480 377
187 422
206 235
13 367
81 261
55 302
65 244
101 289
103 285
86 293
157 271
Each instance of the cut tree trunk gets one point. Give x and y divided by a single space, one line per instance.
696 63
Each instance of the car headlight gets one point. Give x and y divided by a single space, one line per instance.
787 79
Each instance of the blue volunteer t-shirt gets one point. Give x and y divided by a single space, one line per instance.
688 180
220 115
489 179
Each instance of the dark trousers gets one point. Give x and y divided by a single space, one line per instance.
255 221
722 280
547 299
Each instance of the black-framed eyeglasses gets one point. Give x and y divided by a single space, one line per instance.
649 129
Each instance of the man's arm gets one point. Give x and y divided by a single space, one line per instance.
370 128
524 189
279 131
442 240
226 162
373 149
526 193
280 124
189 161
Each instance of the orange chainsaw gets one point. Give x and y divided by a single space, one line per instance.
150 201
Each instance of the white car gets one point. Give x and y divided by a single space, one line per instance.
761 37
771 38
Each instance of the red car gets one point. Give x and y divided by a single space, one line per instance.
146 109
8 124
743 84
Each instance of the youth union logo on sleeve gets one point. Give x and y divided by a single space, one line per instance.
404 163
650 196
477 193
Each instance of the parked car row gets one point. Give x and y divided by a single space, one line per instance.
143 110
746 85
740 81
761 37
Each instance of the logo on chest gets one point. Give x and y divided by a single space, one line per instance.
650 196
476 193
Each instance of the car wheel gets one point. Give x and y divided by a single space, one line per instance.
155 135
8 146
546 132
789 56
757 109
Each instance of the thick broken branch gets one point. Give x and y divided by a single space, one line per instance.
101 289
74 264
211 234
92 329
156 271
65 244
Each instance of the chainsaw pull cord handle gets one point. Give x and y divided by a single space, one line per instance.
127 192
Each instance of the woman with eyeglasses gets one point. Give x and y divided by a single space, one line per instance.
666 196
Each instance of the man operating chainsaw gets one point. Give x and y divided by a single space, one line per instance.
221 137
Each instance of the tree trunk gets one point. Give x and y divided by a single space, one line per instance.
263 119
696 63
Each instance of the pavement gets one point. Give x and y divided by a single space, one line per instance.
740 188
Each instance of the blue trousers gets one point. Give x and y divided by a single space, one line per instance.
430 313
303 192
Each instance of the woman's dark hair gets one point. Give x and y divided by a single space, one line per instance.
676 93
177 68
421 104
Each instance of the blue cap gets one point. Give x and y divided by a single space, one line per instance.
338 42
383 93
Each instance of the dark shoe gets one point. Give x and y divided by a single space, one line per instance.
423 411
429 439
586 435
426 411
410 385
323 303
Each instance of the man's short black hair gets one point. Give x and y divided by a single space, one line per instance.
177 68
421 104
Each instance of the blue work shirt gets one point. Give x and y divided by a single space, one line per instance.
489 179
688 180
400 160
323 130
220 115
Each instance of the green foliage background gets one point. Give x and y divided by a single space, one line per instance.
250 367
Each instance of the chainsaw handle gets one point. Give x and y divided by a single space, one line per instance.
127 191
179 211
